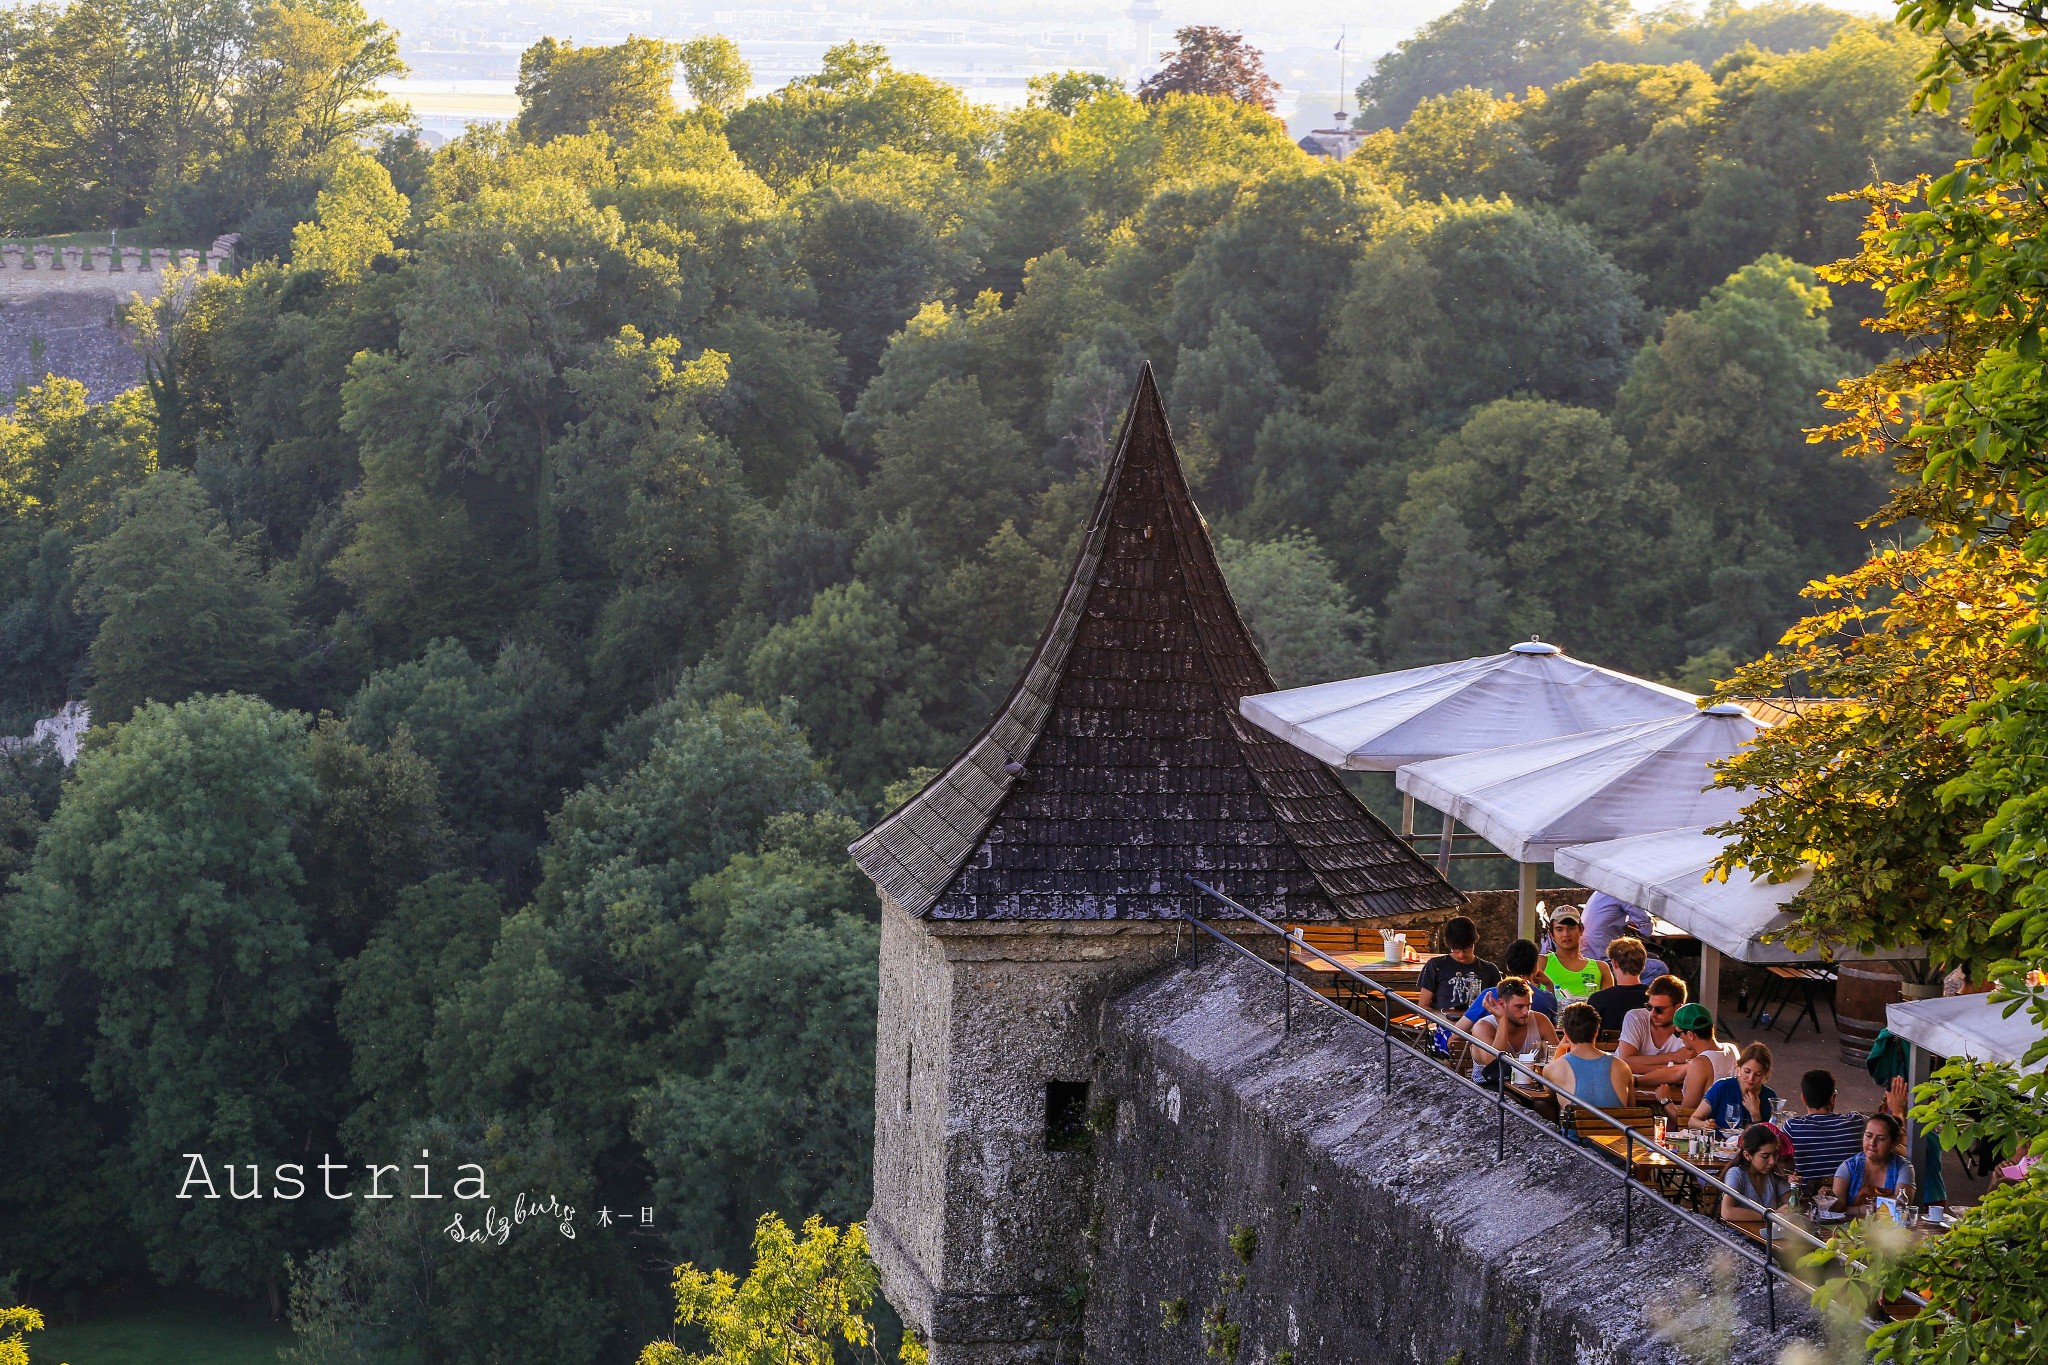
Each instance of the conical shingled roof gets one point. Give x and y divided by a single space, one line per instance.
1120 763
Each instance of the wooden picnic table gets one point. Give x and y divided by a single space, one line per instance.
1393 975
1652 1166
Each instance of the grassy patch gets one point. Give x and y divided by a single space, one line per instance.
135 236
183 1329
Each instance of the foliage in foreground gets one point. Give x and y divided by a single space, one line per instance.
1916 790
15 1325
804 1298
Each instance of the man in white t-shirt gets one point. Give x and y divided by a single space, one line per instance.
1650 1044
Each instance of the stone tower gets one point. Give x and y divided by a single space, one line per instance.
1044 869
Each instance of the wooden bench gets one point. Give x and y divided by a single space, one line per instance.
1358 938
1639 1117
1338 938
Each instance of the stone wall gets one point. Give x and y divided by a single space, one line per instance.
59 310
73 334
979 1221
1266 1185
32 270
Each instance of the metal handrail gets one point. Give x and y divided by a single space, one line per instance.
1772 1224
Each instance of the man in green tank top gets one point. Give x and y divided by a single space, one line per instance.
1568 970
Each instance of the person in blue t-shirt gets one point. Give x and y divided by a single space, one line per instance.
1742 1099
1519 960
1876 1172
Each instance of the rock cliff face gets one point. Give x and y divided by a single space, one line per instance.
1263 1193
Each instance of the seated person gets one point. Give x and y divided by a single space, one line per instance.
1452 980
1566 969
1583 1070
1515 1030
1518 960
1755 1176
1823 1138
2013 1172
1650 1043
1876 1172
1625 958
1742 1099
1709 1060
1606 919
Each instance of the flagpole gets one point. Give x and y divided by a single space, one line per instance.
1342 33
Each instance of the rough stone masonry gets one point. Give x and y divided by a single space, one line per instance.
1264 1191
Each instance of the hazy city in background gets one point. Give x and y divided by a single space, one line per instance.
464 54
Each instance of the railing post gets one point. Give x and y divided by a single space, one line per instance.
1387 1049
1500 1107
1770 1266
1286 984
1628 1170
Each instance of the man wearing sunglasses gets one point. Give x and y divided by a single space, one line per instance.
1650 1044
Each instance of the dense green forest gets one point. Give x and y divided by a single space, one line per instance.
515 586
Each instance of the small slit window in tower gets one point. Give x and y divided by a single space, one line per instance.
909 1072
1066 1116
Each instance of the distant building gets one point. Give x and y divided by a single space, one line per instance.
1333 143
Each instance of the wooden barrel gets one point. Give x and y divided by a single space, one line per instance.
1861 993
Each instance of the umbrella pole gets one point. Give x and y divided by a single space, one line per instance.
1710 979
1408 817
1525 908
1443 845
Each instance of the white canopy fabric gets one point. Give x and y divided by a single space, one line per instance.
1532 691
1529 800
1965 1026
1665 873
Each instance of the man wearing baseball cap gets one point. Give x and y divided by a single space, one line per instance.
1566 968
1712 1059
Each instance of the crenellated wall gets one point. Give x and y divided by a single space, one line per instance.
60 310
28 270
1261 1194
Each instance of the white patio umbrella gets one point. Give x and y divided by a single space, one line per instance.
1965 1026
1530 800
1958 1026
1666 874
1532 690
